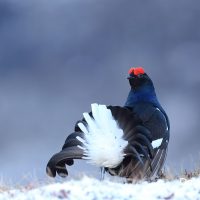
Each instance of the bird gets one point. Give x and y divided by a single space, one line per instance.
129 141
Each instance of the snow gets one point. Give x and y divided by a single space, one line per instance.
93 189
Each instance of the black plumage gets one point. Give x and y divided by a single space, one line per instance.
143 121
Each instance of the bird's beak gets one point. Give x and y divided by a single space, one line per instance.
130 77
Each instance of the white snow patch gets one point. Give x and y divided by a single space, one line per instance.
103 142
90 189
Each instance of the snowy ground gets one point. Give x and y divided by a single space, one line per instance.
92 189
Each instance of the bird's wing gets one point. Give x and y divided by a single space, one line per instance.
147 142
153 119
157 163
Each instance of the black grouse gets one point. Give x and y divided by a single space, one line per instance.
129 141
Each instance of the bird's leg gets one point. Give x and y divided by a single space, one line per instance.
102 173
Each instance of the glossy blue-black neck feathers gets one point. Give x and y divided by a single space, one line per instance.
142 90
142 94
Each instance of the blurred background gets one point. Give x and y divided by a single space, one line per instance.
58 57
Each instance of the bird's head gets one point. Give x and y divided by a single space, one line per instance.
138 78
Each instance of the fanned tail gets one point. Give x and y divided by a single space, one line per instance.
69 152
111 138
103 142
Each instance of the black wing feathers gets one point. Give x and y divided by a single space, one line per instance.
141 125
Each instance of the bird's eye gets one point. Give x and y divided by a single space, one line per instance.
140 75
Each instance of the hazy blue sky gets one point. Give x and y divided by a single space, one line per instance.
58 57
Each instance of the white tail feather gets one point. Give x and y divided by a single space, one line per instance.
103 144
